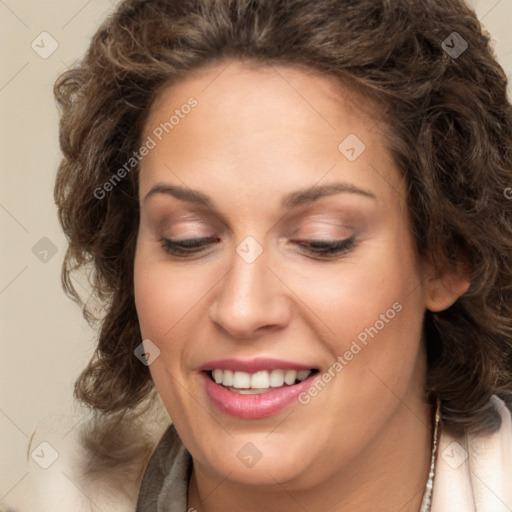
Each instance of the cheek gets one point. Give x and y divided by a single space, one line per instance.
155 300
381 313
373 309
170 301
365 291
162 300
162 297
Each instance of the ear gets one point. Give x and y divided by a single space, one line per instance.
444 287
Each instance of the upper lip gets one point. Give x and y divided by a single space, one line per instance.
253 365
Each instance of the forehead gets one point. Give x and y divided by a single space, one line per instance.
250 91
276 125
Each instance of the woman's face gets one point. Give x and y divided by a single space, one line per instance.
300 257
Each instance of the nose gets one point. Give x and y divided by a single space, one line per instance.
250 299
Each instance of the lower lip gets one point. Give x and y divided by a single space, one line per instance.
257 406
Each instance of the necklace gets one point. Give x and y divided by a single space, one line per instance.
426 503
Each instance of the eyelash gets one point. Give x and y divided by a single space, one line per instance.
319 248
325 249
184 247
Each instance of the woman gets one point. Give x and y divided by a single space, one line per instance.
296 216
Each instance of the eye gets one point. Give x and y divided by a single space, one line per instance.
187 246
319 248
325 248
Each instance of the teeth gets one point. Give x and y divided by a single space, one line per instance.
260 380
227 377
241 380
277 378
290 376
303 374
248 391
217 376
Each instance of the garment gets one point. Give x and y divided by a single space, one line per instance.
165 483
482 482
473 472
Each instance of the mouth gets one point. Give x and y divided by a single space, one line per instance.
257 388
259 382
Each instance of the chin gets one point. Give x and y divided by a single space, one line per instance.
254 460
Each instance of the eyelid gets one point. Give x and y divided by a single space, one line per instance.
184 247
318 249
333 230
166 217
338 217
329 249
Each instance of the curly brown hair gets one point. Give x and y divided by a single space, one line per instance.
450 131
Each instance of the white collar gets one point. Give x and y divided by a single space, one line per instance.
474 472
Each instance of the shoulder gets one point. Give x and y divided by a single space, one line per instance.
474 471
65 473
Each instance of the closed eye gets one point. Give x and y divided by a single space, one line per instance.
320 248
186 247
327 249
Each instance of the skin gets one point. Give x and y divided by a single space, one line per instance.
256 135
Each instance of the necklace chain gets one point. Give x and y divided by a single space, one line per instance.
426 503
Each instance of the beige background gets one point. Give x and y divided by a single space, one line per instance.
45 341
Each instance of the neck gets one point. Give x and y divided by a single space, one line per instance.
389 475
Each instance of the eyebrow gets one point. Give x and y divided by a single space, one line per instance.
308 195
292 200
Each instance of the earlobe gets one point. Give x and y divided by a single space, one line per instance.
443 290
